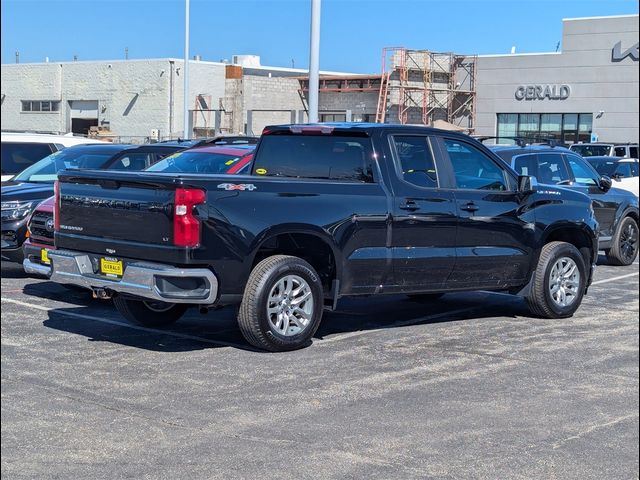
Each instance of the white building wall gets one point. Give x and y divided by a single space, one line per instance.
133 96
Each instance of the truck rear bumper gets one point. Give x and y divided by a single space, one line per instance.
154 281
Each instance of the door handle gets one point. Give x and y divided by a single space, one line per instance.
470 207
409 205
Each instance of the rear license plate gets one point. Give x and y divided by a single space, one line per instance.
44 256
111 267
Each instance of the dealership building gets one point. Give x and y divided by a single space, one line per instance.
586 90
589 88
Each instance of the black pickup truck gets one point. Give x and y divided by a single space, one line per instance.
330 210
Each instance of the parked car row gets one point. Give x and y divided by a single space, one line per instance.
314 213
22 194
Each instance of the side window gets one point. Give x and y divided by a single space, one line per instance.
525 165
552 169
416 160
633 152
473 169
132 162
327 157
582 173
620 151
16 156
634 169
623 170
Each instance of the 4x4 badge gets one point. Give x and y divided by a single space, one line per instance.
237 186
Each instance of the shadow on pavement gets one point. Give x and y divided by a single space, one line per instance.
219 328
12 270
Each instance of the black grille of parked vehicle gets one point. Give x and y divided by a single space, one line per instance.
38 227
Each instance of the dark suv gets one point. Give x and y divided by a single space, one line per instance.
616 210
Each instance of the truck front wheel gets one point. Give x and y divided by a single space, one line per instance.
149 313
558 282
282 304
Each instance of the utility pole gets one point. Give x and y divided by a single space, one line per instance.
187 133
126 53
314 61
17 56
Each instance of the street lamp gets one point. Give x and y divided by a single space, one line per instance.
314 61
187 133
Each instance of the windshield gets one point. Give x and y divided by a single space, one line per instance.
591 150
46 170
605 167
196 162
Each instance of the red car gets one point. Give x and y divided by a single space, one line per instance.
232 159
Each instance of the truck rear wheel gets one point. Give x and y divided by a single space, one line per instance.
149 313
624 248
282 304
558 281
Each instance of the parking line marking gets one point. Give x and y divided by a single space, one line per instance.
128 325
613 279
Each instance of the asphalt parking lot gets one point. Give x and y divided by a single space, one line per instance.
467 386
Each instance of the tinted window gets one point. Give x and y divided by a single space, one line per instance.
18 156
416 160
587 150
473 169
315 156
581 171
604 167
46 170
634 169
620 151
552 169
633 152
525 164
132 162
193 161
623 170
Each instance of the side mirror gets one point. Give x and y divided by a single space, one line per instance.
527 184
605 183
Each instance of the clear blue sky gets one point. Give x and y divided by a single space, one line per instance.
352 36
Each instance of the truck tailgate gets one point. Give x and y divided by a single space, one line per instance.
128 211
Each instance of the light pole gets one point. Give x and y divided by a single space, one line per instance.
314 61
185 72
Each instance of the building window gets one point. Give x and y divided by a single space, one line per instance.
40 105
333 117
562 127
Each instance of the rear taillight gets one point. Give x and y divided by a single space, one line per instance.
56 207
186 227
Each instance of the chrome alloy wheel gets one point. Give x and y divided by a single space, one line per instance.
290 305
564 282
629 241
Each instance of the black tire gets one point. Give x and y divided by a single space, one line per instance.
253 319
624 244
539 299
149 313
425 297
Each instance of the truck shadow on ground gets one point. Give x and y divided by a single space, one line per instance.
102 323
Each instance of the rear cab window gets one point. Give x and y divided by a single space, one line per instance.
415 160
339 156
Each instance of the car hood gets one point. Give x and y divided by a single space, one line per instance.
19 191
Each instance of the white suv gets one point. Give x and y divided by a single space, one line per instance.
21 150
623 150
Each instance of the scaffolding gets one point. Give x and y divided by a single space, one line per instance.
421 87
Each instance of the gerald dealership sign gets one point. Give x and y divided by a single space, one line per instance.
543 92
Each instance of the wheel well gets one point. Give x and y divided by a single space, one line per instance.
575 237
633 215
308 247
